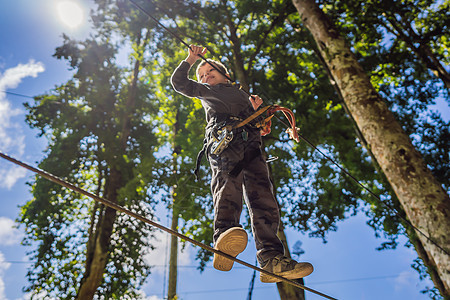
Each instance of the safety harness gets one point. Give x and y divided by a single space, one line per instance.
222 134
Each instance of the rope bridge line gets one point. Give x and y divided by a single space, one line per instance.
119 208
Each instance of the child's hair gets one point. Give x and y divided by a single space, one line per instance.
218 64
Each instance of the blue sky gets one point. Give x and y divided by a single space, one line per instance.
347 267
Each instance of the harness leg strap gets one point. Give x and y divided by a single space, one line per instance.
199 158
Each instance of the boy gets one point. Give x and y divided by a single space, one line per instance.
238 170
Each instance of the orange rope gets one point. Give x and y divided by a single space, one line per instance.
267 123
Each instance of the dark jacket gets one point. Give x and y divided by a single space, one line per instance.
217 100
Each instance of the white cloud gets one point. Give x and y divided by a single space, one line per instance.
9 235
11 137
154 297
3 267
13 77
142 295
403 280
160 255
9 176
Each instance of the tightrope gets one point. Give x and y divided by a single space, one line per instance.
119 208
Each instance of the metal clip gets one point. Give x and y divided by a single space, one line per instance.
271 159
221 140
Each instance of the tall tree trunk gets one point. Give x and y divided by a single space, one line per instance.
98 243
132 93
427 261
425 202
285 290
95 267
97 213
410 232
173 261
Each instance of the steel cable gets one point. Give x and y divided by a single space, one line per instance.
119 208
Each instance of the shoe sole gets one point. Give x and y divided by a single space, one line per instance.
304 270
232 242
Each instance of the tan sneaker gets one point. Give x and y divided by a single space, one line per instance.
232 242
285 267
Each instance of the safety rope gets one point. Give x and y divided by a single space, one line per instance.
346 172
119 208
292 128
182 41
375 196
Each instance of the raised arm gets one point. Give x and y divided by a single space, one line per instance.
194 52
180 78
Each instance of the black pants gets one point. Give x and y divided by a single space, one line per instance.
254 184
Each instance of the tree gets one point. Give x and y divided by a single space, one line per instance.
408 88
406 27
424 200
128 136
406 81
180 129
96 133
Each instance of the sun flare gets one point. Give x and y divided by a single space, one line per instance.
70 13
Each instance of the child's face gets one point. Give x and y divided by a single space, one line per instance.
207 74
